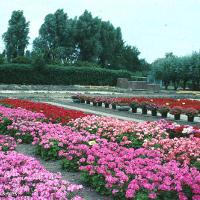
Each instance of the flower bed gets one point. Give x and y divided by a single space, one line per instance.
7 143
163 164
109 164
20 114
184 150
126 133
129 133
135 174
22 177
53 113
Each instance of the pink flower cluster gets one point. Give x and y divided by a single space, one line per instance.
20 114
111 128
7 143
23 177
186 130
185 150
139 169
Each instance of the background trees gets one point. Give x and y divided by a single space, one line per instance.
179 71
55 40
16 38
88 41
67 41
87 37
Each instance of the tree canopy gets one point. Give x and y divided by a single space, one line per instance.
86 39
16 38
63 40
180 71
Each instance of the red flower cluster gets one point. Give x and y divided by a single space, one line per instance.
54 113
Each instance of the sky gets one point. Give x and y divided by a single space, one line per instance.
155 27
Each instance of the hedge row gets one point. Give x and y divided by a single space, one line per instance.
58 75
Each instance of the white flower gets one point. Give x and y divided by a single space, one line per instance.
187 130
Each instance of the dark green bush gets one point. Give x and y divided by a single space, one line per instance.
85 63
38 63
57 75
21 60
2 59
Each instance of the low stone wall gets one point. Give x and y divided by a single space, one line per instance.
136 85
154 87
122 83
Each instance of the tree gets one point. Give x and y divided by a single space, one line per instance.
130 58
160 70
185 69
118 47
195 69
16 38
55 41
88 37
107 36
178 70
144 65
108 41
2 58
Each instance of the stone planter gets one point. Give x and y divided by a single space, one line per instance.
114 106
76 100
134 110
94 103
123 108
154 112
99 103
177 117
82 101
190 118
164 114
106 105
144 111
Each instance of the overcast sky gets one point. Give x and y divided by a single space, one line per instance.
153 26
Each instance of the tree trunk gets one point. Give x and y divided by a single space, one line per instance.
184 85
176 84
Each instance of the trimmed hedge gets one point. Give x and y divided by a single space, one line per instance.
58 75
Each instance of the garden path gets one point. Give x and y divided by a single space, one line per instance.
54 166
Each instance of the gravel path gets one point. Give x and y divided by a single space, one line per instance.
54 166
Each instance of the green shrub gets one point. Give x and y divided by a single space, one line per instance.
38 63
21 60
57 75
2 59
85 63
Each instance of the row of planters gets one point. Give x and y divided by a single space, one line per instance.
100 148
190 108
